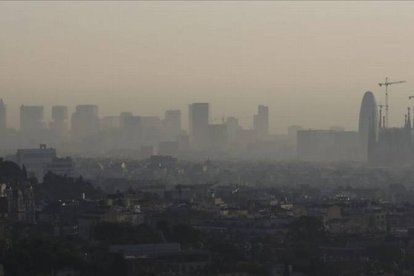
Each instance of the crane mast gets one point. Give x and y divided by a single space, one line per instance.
386 84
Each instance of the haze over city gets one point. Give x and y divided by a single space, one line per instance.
309 62
206 138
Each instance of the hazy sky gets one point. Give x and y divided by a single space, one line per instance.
309 61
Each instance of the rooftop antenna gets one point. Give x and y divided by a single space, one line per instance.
386 84
409 98
380 115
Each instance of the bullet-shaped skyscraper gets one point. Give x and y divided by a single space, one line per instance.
368 121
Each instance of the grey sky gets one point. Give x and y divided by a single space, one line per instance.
309 61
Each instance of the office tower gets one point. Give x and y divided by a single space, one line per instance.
123 117
151 127
3 117
130 131
233 129
110 122
85 121
261 122
183 142
172 124
39 161
131 122
198 125
31 118
36 159
368 122
59 124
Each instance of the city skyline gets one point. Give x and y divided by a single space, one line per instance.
48 111
144 56
206 138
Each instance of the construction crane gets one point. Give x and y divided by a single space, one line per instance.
386 84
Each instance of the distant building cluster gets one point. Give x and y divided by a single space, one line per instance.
393 146
86 132
382 145
329 145
373 142
40 161
336 144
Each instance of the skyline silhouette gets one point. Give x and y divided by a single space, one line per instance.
303 60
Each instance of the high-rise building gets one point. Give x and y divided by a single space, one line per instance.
3 117
261 122
31 118
110 122
394 147
198 125
233 129
368 122
123 116
172 124
59 124
85 121
131 129
151 130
